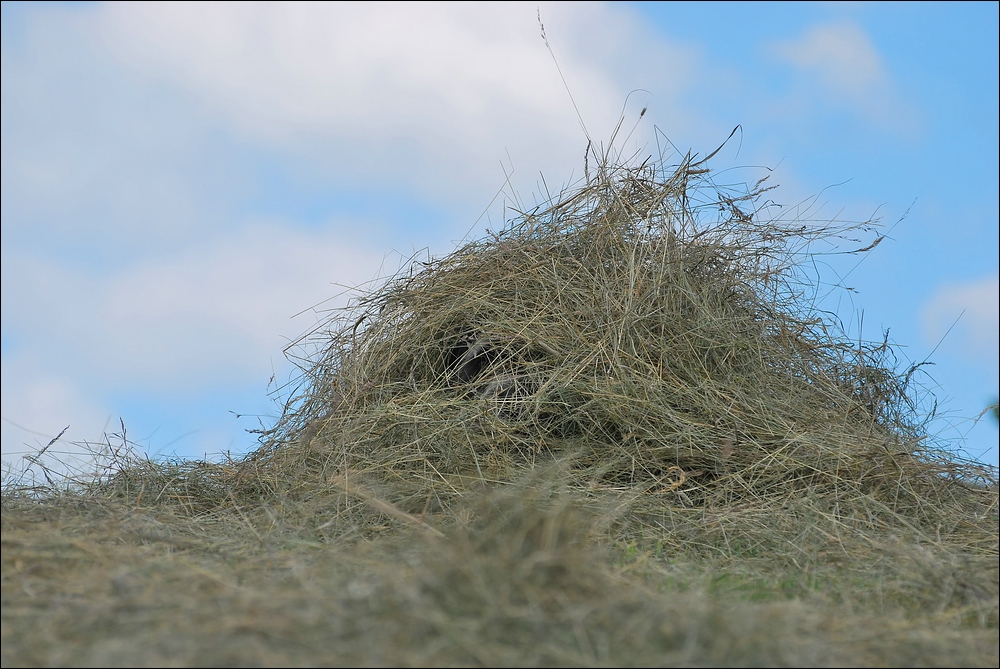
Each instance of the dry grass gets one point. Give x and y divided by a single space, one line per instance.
614 433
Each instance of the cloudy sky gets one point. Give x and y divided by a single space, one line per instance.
186 187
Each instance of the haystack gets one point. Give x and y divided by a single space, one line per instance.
650 332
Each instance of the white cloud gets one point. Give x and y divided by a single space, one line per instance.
280 70
432 94
220 310
841 54
841 60
217 316
215 311
122 121
37 406
974 305
90 155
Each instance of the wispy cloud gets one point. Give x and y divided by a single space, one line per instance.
840 64
213 316
972 308
841 55
37 406
392 89
216 310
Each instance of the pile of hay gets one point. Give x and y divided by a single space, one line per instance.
614 433
650 332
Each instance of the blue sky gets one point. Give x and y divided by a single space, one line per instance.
182 185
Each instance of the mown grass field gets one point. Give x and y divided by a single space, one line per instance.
533 573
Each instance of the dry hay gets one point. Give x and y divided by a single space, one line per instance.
614 433
652 329
522 583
